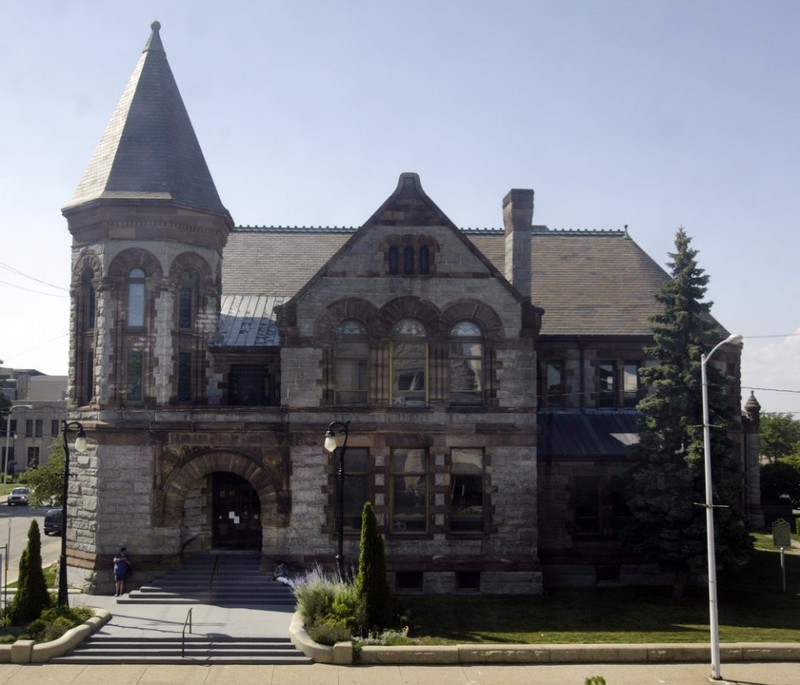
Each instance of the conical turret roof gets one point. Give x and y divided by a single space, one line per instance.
149 150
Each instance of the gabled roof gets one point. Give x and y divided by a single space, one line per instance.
149 150
408 206
588 282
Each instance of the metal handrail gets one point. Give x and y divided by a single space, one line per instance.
213 573
183 633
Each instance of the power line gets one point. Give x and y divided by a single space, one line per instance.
31 290
777 335
32 278
749 387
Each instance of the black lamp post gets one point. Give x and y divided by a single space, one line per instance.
336 438
80 446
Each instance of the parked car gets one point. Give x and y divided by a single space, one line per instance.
19 496
52 522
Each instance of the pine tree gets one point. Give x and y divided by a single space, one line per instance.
371 583
32 596
668 525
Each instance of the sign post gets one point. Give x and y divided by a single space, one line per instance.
782 538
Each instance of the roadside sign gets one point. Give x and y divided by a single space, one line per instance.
781 534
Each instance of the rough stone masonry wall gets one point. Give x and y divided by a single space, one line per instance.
301 377
110 507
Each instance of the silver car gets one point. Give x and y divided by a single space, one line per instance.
19 496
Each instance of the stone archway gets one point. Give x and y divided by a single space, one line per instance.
264 481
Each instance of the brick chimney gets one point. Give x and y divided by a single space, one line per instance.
517 220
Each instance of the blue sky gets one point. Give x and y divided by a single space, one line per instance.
654 114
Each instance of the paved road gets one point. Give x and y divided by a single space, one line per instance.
14 524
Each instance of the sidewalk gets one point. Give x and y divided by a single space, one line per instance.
321 674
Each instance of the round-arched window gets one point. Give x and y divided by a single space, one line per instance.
409 363
466 363
136 297
351 363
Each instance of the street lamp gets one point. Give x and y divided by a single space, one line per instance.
733 339
8 437
336 438
80 446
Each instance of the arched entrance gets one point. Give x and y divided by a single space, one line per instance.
223 499
236 512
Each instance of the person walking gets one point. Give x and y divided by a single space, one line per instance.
122 569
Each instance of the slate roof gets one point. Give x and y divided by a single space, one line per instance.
586 434
248 321
149 150
588 282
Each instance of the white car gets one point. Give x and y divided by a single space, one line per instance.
19 496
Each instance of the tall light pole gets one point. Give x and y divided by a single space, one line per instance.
733 339
8 437
336 438
80 446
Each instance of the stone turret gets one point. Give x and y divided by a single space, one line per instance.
148 229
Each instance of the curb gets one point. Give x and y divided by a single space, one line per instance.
30 652
342 653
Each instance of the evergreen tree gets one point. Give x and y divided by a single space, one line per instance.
32 596
668 526
371 583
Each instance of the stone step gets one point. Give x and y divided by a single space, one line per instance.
218 650
238 580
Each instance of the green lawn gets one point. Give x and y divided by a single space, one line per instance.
49 576
752 608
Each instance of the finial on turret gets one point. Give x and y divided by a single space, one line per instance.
154 42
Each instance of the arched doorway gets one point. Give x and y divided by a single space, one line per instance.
236 512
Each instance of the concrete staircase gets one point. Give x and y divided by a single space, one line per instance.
237 582
227 579
104 649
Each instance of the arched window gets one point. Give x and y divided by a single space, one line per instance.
424 260
136 297
408 260
351 357
394 259
466 363
88 302
409 363
187 300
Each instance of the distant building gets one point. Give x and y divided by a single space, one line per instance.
489 378
32 430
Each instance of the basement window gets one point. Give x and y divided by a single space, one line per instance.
408 581
468 581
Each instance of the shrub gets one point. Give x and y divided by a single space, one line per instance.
328 632
54 622
32 596
332 609
315 593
